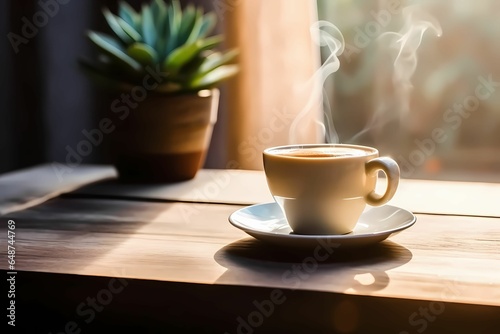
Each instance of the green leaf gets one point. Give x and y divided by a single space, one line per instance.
128 14
129 30
190 69
160 14
189 19
174 19
209 22
115 26
215 60
158 8
198 24
148 26
164 39
183 54
177 10
143 53
113 48
214 77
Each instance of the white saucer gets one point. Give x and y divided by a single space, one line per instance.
266 222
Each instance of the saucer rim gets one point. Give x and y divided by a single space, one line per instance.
328 236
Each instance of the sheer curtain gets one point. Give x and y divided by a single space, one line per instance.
272 101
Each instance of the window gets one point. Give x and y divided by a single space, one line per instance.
446 125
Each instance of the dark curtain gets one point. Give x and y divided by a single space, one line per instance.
22 129
46 101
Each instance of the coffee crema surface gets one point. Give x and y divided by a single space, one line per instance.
320 152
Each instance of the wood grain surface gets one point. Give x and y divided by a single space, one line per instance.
442 258
186 269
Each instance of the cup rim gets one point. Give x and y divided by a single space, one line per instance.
370 151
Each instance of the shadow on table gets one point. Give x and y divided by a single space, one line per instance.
71 234
362 270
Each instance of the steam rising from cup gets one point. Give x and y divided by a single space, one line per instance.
402 46
406 43
334 41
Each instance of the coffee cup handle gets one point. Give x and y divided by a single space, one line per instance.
391 170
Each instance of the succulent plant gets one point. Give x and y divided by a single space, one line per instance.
172 41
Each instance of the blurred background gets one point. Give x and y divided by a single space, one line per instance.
418 79
441 127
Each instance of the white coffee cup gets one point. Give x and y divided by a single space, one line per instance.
324 188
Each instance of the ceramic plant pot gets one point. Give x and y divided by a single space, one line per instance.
165 138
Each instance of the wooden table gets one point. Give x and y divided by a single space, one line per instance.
163 259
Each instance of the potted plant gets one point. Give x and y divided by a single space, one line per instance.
162 61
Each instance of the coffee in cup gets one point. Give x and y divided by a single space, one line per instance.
324 188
